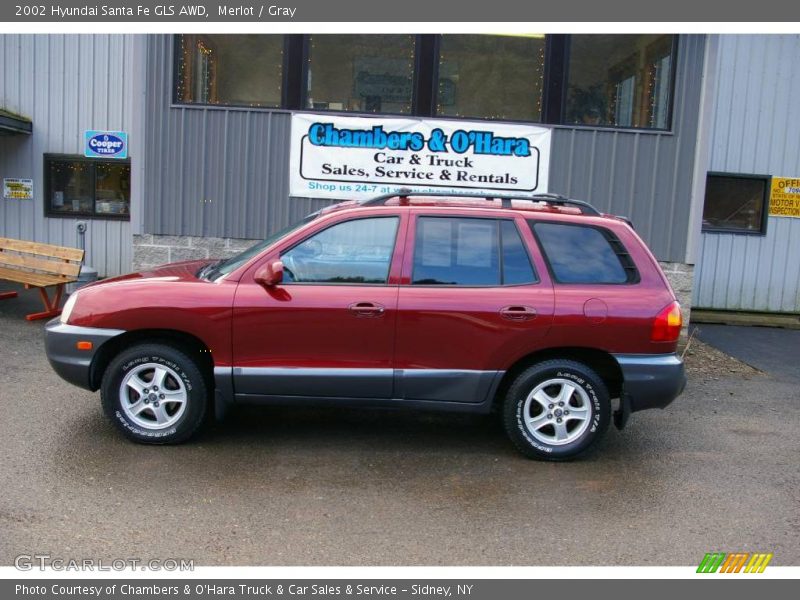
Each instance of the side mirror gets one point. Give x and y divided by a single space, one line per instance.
270 274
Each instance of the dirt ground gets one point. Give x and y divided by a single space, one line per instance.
702 360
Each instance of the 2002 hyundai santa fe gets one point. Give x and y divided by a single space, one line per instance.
543 309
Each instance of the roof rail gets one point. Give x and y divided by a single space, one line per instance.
552 199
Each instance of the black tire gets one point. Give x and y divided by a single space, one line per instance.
193 382
581 376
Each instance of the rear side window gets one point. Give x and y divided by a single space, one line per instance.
469 252
582 254
517 267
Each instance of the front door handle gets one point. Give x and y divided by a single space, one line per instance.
367 309
518 313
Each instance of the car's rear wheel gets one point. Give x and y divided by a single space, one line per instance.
556 410
154 394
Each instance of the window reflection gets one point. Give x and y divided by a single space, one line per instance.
620 80
243 70
363 73
491 76
735 203
87 187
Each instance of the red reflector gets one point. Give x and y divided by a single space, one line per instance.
84 345
667 324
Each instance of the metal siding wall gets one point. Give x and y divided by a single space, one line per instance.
212 172
755 130
224 173
66 84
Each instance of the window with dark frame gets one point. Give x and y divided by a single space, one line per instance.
85 187
616 81
491 77
620 80
736 203
360 73
230 70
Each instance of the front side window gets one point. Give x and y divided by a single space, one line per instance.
469 252
620 80
358 251
229 265
76 186
581 254
491 76
736 203
237 70
361 73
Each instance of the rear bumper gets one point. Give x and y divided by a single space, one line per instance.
72 364
650 380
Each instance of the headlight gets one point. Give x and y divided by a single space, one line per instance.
68 306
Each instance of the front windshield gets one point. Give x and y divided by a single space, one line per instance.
229 265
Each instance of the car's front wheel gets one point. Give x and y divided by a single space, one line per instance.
556 409
154 394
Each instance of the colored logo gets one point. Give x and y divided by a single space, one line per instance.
105 144
460 141
734 562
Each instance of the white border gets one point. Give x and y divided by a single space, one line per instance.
465 573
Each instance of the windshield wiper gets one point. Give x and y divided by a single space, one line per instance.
202 273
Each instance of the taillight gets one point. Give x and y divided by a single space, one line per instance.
667 325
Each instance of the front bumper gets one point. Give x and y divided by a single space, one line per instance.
73 365
650 380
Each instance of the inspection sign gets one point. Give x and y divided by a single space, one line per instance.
18 189
784 198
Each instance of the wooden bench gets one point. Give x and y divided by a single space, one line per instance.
39 266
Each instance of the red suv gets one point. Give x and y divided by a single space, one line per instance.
543 309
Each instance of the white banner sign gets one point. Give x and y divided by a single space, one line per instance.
360 157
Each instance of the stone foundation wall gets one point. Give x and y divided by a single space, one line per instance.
681 278
150 250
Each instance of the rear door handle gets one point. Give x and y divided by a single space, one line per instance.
518 313
366 309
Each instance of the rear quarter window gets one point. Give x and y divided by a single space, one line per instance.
584 254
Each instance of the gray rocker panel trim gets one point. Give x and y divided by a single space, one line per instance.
426 385
287 381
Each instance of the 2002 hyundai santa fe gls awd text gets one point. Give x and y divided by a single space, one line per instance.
543 309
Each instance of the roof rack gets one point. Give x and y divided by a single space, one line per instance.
552 199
